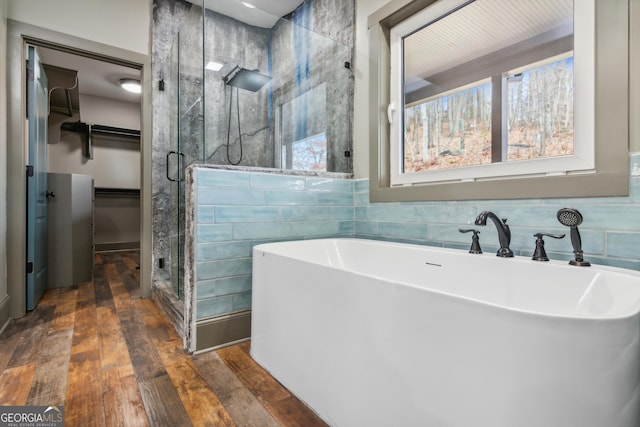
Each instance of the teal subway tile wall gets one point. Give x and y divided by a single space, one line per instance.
238 209
610 231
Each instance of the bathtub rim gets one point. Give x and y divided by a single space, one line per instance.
632 311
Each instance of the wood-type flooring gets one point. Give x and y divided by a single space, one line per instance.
112 359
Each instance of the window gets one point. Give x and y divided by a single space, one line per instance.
309 154
451 130
487 90
439 68
539 110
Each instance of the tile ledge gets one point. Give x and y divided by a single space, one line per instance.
337 175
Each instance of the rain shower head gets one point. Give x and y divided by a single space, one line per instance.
251 80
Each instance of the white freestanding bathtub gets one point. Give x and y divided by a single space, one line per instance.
372 333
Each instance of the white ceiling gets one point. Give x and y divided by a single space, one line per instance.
480 28
96 78
265 14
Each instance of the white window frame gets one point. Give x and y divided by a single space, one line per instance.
581 162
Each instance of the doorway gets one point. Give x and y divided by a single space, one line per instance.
18 36
94 133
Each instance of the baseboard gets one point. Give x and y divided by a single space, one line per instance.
223 330
4 313
170 305
117 246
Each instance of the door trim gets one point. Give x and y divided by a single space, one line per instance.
4 313
18 34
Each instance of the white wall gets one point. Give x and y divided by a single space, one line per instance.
109 112
120 23
117 221
116 162
364 8
3 154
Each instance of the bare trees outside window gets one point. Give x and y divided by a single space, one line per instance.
453 129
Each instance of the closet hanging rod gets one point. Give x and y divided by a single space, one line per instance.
100 129
89 130
109 130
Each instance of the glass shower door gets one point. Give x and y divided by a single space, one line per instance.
174 161
186 136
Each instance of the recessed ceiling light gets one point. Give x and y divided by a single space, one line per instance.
247 4
214 66
131 85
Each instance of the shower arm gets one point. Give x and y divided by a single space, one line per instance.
227 77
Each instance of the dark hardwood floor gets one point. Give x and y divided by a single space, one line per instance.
112 359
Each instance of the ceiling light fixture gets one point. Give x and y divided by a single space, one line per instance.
131 85
247 4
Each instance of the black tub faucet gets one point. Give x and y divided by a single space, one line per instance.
504 234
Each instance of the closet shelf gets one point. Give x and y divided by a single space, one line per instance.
130 192
100 129
89 130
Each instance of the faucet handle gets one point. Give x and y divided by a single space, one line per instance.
469 230
555 236
539 254
475 240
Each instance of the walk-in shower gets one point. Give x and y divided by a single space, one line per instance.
275 96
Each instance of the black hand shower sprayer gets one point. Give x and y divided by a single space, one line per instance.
572 219
241 78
